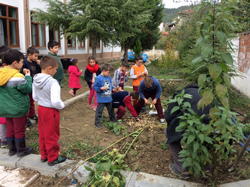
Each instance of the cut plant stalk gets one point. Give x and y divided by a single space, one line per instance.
98 154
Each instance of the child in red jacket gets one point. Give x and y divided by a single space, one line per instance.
74 77
122 99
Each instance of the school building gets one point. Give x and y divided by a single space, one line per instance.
19 30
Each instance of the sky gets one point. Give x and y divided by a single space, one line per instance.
171 4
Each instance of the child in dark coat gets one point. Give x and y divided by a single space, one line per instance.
122 99
150 87
31 63
91 72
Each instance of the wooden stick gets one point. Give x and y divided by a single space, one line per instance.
240 155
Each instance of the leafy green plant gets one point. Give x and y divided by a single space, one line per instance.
114 127
107 171
163 145
204 146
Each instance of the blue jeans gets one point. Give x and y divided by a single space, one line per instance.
59 82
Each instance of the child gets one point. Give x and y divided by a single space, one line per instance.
74 77
121 76
14 99
4 143
150 87
137 73
3 132
91 72
31 63
53 50
46 91
103 87
122 99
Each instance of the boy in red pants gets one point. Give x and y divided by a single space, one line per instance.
122 99
46 91
150 87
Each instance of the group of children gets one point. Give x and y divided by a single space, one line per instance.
25 80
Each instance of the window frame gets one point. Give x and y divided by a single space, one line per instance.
8 19
37 32
71 43
81 42
59 35
97 46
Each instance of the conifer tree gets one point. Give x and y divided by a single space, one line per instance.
151 32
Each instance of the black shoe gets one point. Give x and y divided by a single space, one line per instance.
12 147
176 172
28 124
99 126
35 117
143 109
60 159
22 150
44 160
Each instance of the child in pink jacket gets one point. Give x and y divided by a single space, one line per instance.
3 132
74 77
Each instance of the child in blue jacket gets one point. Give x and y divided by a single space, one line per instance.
103 87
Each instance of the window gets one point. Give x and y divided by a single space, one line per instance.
72 42
37 32
9 32
97 45
54 35
81 43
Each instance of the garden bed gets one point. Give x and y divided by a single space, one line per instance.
80 139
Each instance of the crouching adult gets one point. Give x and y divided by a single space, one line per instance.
174 137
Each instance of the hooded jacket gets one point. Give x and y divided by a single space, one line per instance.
14 90
46 91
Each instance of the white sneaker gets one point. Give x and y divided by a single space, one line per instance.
162 121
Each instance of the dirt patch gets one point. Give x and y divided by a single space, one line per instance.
49 182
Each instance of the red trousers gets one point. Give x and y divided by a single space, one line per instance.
16 128
157 105
49 132
32 111
120 112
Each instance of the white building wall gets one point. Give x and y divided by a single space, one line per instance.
107 49
33 4
19 5
240 83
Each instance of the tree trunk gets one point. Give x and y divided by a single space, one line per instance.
126 53
94 43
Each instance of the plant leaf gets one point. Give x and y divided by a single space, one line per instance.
214 71
196 145
206 50
227 57
208 97
197 59
190 138
175 109
222 37
199 42
201 137
224 101
223 67
212 111
201 79
227 80
221 90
